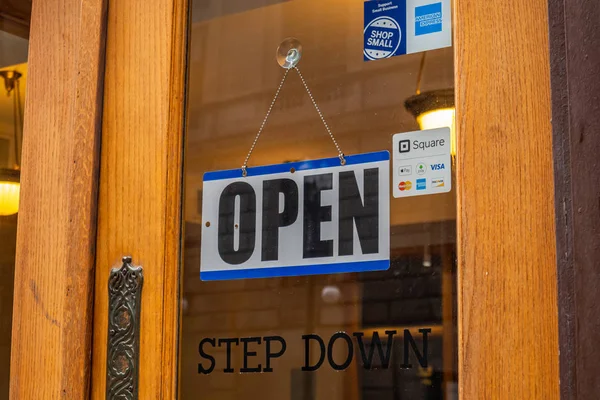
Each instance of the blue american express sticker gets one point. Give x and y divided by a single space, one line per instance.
428 19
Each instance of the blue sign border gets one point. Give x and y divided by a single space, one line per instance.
298 270
298 166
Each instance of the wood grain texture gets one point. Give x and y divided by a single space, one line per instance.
174 229
8 250
575 67
508 334
52 317
140 180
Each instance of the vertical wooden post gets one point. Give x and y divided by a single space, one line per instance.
575 68
52 318
140 184
508 335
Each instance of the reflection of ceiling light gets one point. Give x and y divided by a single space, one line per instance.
331 294
11 79
434 109
426 257
9 191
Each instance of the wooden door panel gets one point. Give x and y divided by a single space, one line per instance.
508 328
139 183
52 317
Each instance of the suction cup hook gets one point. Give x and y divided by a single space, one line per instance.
289 53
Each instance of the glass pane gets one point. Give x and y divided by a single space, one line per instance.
233 75
13 76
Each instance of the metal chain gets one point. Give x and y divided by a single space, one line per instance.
262 126
335 143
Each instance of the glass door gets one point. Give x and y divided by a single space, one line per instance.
388 334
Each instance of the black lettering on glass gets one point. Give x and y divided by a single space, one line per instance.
270 355
421 357
247 354
228 342
314 214
272 219
362 213
346 364
307 339
376 343
247 225
203 354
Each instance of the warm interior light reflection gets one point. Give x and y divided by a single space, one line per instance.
9 198
438 119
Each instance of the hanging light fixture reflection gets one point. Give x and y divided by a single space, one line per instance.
10 178
10 189
433 109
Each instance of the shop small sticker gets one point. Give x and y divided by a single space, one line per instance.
383 30
396 27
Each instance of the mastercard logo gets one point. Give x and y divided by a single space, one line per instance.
405 185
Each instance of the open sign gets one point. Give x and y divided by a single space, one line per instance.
302 218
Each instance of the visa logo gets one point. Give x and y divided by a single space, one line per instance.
437 167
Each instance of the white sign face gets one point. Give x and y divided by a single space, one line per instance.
301 218
422 163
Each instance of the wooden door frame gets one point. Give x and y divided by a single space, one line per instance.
508 328
56 232
139 204
508 337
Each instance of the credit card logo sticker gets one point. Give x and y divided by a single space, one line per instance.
405 170
437 167
405 185
421 168
437 182
428 19
421 184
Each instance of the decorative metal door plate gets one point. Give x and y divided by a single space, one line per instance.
124 301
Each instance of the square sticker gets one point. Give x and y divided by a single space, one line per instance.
423 165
